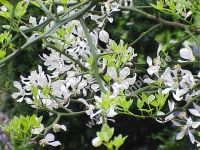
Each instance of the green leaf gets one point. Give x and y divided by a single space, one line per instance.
140 103
150 99
21 9
2 54
46 91
119 141
20 127
34 90
64 1
106 133
122 102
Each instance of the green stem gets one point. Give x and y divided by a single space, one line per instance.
44 8
145 33
94 54
55 122
63 114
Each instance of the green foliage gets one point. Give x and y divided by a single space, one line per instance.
145 102
34 91
123 103
105 136
20 128
46 91
109 101
119 55
2 54
4 39
15 11
19 11
119 141
177 8
106 133
64 1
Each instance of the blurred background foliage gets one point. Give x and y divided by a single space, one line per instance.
143 134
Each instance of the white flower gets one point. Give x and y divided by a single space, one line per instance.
3 9
121 81
153 69
58 127
96 142
21 92
187 53
187 129
170 78
178 94
104 36
196 110
42 19
60 9
154 65
95 87
60 89
90 107
148 80
33 21
186 14
38 130
171 106
37 79
56 63
77 84
109 109
49 103
49 140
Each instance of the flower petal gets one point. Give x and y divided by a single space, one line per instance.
192 139
149 60
49 137
124 72
17 84
186 53
63 127
55 143
180 135
194 112
195 125
20 100
104 36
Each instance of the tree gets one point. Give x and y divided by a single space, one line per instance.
84 66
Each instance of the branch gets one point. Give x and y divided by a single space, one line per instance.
166 22
94 54
63 114
56 25
50 126
145 33
44 8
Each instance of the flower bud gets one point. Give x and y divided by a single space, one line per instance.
96 142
